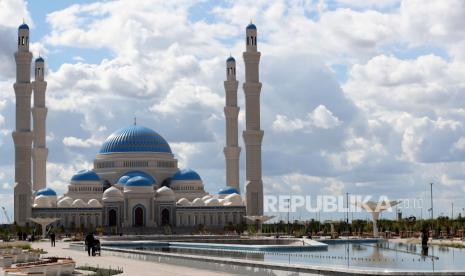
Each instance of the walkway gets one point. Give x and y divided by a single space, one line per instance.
130 267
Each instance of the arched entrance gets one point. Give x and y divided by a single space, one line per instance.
165 217
138 217
112 217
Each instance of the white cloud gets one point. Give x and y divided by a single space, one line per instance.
81 143
59 175
13 12
184 152
335 187
187 95
395 123
320 117
369 3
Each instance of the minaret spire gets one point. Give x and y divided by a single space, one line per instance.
231 112
253 135
39 115
22 136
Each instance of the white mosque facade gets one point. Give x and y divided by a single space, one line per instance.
135 181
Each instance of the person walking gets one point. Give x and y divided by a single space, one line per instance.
89 242
424 242
52 239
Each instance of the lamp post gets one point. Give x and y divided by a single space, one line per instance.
431 194
452 217
347 207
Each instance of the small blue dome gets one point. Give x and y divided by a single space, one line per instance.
46 192
139 181
228 190
186 174
85 175
23 26
230 59
251 26
125 178
135 138
39 59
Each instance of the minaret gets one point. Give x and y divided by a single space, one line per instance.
22 136
39 114
253 135
231 111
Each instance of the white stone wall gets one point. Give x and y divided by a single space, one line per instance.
208 216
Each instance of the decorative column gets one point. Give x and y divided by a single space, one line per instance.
231 111
22 136
39 114
253 135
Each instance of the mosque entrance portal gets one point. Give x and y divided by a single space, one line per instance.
138 217
165 217
112 217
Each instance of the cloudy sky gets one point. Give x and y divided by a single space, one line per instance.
365 97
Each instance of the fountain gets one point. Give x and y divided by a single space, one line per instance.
375 208
44 222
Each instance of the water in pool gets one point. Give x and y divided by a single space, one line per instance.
376 256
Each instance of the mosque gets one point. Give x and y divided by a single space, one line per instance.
135 182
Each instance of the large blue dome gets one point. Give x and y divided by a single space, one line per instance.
127 176
186 174
135 138
85 175
139 181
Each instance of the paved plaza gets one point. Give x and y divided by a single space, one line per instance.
130 266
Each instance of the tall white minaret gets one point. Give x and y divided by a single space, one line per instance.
22 136
253 135
231 112
39 114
